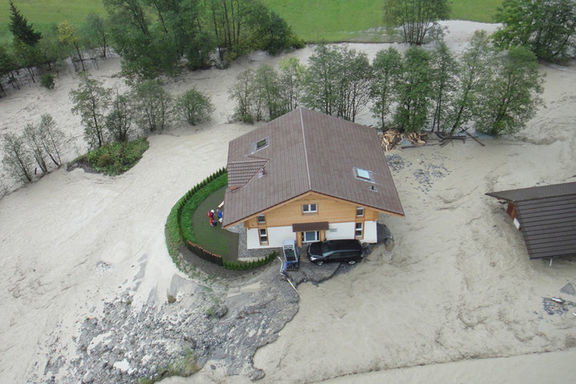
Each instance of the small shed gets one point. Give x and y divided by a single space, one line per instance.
546 216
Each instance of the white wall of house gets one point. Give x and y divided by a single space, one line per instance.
338 231
276 237
370 232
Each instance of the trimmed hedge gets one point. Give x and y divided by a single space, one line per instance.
241 265
180 233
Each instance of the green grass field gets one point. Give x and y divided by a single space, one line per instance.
313 20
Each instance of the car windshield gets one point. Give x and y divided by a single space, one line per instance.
326 248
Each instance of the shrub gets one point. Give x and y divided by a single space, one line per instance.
116 158
194 107
47 81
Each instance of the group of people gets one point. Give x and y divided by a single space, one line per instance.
215 217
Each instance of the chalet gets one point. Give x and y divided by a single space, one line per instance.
306 176
546 216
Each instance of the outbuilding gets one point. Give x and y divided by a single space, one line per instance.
546 216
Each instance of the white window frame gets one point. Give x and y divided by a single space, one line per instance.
304 241
363 174
263 236
359 230
307 208
266 141
360 209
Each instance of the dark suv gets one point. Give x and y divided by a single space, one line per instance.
349 251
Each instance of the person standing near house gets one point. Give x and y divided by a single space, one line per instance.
220 215
211 217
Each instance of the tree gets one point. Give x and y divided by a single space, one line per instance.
511 97
387 67
546 27
194 107
17 158
474 73
51 139
7 65
95 32
414 91
321 81
267 92
417 18
243 94
67 35
91 101
443 66
290 82
119 119
152 104
33 141
20 28
27 56
354 84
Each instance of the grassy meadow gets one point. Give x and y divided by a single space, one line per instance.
313 20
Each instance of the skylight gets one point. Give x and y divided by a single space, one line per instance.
363 174
262 143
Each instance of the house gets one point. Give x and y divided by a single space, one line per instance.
306 176
546 216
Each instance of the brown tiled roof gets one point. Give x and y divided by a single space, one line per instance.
547 217
308 151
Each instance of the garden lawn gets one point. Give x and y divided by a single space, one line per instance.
214 239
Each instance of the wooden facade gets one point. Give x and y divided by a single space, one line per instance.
328 209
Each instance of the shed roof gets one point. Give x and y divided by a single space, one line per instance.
307 151
547 217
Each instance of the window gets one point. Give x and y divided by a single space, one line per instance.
363 174
309 208
262 143
358 230
310 236
359 211
263 235
261 219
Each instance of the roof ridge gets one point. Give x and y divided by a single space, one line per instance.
305 150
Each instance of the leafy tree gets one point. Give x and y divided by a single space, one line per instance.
321 81
119 119
387 68
7 65
17 159
511 97
68 36
414 91
91 101
290 81
354 84
27 56
444 67
47 80
416 18
20 28
95 32
33 140
547 27
194 107
474 73
51 139
152 104
246 110
267 92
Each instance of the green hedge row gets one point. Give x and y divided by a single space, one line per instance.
242 266
173 229
179 232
